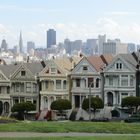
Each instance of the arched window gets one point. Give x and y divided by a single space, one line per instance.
97 82
64 84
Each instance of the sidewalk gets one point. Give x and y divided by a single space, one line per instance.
34 134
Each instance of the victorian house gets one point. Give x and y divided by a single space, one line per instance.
120 79
5 100
55 81
87 78
18 83
24 84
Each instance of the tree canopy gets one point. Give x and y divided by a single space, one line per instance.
23 108
61 105
131 102
96 103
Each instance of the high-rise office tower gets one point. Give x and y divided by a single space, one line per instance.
101 40
131 47
20 43
51 38
4 45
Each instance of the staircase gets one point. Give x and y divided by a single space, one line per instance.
42 114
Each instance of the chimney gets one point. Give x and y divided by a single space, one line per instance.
103 59
43 64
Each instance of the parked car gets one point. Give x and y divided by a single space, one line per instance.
133 118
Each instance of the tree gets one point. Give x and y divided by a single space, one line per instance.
23 108
61 105
131 102
96 103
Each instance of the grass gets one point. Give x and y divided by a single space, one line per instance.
79 138
94 127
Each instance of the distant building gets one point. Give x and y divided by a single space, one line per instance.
30 46
131 47
51 38
91 46
20 43
114 47
4 45
101 40
138 47
68 46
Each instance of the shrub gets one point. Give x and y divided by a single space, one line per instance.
61 105
22 109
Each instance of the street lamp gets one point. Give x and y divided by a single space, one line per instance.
89 105
92 83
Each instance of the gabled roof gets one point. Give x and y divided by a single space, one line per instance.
8 70
130 59
98 63
35 67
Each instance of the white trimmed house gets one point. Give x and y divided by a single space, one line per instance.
86 74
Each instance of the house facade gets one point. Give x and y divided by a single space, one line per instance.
87 79
120 80
55 81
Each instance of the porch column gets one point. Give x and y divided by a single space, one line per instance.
80 106
73 101
105 99
42 103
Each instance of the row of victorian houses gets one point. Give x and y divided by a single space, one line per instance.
110 78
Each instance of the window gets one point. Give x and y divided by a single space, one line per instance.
15 100
131 80
90 82
17 87
22 99
22 87
111 80
77 82
118 66
97 82
34 87
46 84
124 95
124 80
64 84
58 84
28 87
34 102
53 70
8 90
85 68
23 73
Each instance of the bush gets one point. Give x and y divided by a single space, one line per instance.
22 109
96 103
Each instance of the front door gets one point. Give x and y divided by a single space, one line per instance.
110 99
77 101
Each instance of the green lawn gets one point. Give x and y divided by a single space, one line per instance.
96 127
79 138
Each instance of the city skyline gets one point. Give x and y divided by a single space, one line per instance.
80 19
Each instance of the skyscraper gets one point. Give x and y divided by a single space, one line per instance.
20 43
4 45
101 40
51 38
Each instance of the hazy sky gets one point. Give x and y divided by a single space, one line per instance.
73 19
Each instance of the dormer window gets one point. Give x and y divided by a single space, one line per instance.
85 68
23 73
118 66
53 70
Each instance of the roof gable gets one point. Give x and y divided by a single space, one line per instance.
113 66
84 67
22 73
